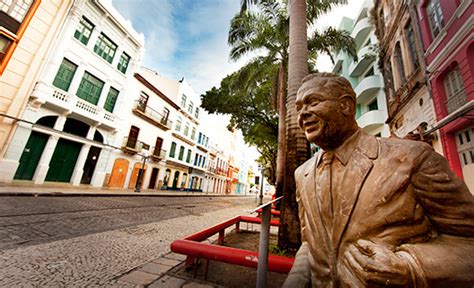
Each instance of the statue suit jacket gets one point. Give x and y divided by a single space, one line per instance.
395 192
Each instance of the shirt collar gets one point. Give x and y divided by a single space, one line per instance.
344 152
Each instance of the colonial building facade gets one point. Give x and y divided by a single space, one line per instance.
73 112
410 107
447 29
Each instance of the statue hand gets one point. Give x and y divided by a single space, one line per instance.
375 263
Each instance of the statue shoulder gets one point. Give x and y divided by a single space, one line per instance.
305 166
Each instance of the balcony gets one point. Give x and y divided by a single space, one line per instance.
371 119
368 87
65 102
361 31
145 112
158 154
365 59
131 145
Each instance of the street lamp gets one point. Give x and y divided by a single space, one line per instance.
262 168
140 174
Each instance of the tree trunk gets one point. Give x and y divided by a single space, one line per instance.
281 157
289 236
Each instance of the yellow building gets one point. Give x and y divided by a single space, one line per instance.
28 30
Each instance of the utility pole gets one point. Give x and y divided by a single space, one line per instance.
140 174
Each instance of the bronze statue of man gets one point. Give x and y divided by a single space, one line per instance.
375 211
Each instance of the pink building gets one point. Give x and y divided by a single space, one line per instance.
447 29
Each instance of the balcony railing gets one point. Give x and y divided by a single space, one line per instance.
66 101
456 101
158 154
131 145
152 115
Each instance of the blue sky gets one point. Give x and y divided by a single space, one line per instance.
185 38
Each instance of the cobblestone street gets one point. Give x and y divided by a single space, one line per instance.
84 241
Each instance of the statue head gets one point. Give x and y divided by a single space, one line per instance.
326 103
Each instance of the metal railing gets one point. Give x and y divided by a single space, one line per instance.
153 114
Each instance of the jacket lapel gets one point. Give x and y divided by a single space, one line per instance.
354 177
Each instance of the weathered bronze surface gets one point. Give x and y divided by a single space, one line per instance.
383 212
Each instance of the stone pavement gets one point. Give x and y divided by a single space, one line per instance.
116 258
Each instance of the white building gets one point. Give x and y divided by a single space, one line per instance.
364 75
144 137
74 109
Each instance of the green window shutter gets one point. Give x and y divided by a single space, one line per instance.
105 48
181 153
84 31
123 63
188 158
90 88
172 149
65 74
111 99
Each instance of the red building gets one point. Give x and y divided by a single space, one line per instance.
447 29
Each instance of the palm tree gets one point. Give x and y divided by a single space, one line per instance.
251 31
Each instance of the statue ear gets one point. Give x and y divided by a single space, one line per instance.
347 105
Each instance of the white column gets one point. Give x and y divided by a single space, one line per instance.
76 80
43 165
103 95
78 169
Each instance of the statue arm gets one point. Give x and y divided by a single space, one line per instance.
449 206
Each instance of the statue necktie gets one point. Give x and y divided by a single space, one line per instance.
326 193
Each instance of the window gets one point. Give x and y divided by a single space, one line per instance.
196 114
435 17
172 149
203 161
188 157
90 88
133 137
190 107
123 62
14 18
111 100
465 146
196 159
411 45
455 96
358 111
186 129
65 74
142 101
369 72
373 105
193 133
199 137
166 114
183 101
178 124
84 31
181 153
105 48
399 63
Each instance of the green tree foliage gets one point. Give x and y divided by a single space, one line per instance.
245 96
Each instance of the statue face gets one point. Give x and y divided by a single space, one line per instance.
321 116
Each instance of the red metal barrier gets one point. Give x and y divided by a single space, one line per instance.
193 248
230 255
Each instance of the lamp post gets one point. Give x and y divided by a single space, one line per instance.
140 174
261 186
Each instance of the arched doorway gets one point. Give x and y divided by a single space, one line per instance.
183 181
166 179
66 152
175 180
91 160
33 150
